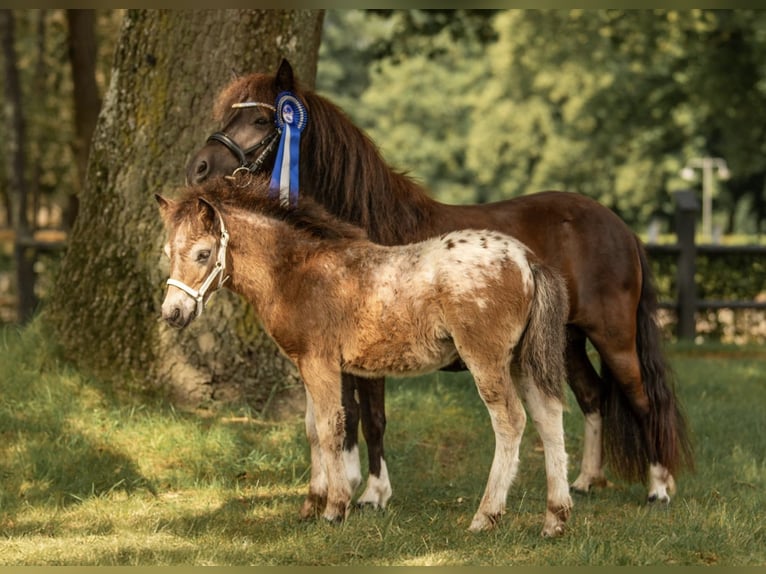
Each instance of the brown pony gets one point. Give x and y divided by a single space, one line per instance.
335 302
611 293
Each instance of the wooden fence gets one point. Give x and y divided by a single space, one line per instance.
686 251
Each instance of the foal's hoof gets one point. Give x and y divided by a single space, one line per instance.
553 531
313 506
556 517
335 520
335 513
482 522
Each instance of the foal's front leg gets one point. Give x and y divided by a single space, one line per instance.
317 497
328 481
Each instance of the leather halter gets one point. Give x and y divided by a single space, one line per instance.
240 153
219 271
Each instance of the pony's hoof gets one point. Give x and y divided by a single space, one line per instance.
576 489
652 498
378 491
661 485
583 484
363 505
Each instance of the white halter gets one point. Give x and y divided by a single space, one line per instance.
219 270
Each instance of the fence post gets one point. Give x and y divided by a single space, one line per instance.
687 207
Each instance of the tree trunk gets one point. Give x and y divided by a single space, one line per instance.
16 134
87 103
168 67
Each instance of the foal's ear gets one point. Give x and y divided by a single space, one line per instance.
163 203
206 212
284 80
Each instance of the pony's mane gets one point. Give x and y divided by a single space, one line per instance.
341 167
308 216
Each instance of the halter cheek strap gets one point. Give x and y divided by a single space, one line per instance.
218 271
241 154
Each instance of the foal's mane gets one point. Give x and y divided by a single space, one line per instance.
308 216
341 167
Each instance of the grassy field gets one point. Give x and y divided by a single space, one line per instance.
89 476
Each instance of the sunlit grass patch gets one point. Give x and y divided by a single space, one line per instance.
93 476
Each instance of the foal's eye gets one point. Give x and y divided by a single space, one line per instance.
203 255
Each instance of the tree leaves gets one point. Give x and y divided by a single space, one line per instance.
610 103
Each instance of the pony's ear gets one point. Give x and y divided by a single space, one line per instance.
284 80
206 212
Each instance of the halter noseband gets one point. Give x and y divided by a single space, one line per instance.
241 154
219 270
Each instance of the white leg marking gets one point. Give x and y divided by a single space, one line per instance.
378 489
661 483
353 468
591 470
548 416
318 481
508 420
501 475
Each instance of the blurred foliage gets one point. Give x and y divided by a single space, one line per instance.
43 60
484 105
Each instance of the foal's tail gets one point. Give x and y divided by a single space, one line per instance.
543 344
628 449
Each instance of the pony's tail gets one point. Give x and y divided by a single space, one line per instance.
543 344
632 442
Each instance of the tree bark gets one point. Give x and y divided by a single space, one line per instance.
168 67
87 103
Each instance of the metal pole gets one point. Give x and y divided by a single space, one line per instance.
707 165
707 199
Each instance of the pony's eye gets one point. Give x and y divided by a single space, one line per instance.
203 255
261 121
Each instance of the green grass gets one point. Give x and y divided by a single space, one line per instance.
92 476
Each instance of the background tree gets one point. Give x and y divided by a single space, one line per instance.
168 66
409 78
18 198
81 41
609 103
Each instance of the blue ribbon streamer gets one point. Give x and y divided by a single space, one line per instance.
291 119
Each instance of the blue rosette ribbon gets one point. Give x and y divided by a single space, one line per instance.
291 119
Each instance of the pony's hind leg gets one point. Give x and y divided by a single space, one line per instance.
547 414
589 390
351 439
508 419
373 412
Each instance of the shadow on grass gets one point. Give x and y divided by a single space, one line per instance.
45 460
53 464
